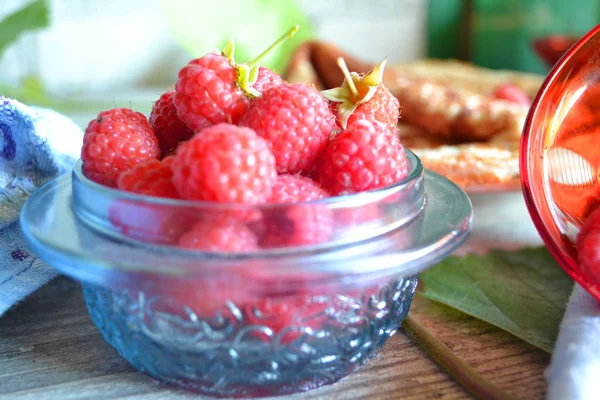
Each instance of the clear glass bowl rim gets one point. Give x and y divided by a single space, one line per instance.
48 221
415 172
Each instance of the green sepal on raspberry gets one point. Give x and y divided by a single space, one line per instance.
247 73
355 90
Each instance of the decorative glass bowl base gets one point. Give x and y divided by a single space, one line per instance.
226 355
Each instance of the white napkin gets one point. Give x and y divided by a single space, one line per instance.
574 373
36 145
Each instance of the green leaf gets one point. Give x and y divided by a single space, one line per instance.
523 292
201 26
32 17
29 18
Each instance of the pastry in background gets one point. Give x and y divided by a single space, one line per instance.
476 167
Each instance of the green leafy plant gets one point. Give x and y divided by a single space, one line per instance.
29 18
201 25
32 17
523 292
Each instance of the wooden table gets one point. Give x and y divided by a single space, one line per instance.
50 349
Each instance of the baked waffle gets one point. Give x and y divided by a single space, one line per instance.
448 115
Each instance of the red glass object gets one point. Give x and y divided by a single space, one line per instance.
550 49
560 153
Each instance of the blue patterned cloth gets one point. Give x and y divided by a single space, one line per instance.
36 145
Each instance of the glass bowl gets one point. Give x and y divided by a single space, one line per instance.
560 157
302 311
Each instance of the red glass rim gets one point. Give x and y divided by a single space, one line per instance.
528 157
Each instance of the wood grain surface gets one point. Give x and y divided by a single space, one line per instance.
50 349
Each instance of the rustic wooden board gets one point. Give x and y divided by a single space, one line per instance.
49 349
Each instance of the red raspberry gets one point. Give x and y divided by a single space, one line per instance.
296 121
588 245
292 313
152 178
512 93
207 93
153 223
294 188
226 163
168 127
214 89
114 142
226 236
312 173
290 303
207 298
299 224
266 79
363 157
383 107
364 98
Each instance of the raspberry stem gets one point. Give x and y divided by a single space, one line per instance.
342 64
278 42
247 73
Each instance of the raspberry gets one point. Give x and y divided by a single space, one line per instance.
383 107
512 93
206 93
226 236
292 189
114 142
591 203
296 121
312 173
287 304
363 157
168 127
226 163
266 79
214 89
153 223
300 224
152 178
364 98
288 316
209 299
588 245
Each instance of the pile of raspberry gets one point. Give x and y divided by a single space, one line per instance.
239 134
